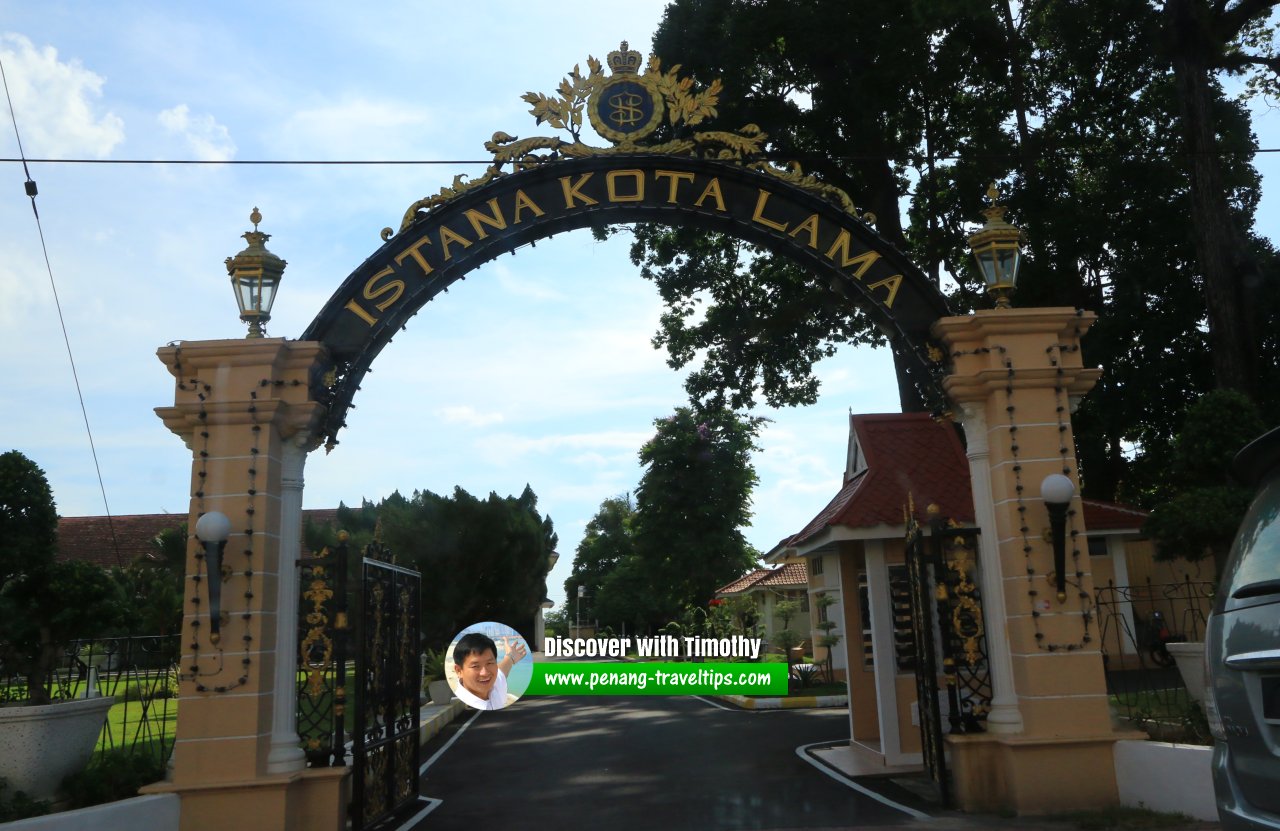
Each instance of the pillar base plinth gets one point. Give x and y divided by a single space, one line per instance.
316 798
1027 775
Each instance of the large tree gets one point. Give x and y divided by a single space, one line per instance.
692 504
481 559
642 563
44 604
1203 39
607 542
1078 107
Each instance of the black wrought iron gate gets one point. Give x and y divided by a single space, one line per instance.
942 574
389 681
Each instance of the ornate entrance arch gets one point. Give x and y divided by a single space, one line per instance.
712 180
250 411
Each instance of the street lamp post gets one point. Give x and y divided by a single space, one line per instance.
255 278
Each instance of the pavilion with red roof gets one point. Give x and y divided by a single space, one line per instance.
853 549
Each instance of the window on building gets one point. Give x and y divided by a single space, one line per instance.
904 637
815 566
864 602
1098 547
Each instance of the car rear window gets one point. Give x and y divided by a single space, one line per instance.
1253 568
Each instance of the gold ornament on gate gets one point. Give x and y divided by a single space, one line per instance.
627 107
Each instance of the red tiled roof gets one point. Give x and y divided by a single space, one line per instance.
744 582
1108 516
89 538
791 574
905 453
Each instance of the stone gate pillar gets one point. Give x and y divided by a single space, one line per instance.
1015 376
243 408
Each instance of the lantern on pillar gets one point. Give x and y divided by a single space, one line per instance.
212 530
1056 490
255 277
997 247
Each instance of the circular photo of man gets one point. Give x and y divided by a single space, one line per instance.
488 665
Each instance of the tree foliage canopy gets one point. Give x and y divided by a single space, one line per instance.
644 563
44 604
1092 113
480 559
1199 507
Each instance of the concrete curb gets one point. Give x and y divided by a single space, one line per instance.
797 702
435 716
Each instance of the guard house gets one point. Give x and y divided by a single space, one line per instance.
855 549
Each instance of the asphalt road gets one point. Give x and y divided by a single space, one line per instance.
668 763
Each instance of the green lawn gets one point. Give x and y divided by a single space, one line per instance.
1159 705
129 725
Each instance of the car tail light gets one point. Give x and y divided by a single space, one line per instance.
1210 702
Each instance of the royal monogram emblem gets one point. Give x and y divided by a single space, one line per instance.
626 107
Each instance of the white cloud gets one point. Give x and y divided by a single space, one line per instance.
509 446
205 137
468 416
356 128
54 103
523 286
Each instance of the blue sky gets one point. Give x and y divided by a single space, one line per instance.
538 369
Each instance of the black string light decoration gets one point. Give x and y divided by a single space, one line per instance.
1063 412
247 572
195 672
1024 530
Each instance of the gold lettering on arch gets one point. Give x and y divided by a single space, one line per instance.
863 261
524 203
611 184
810 225
891 283
494 220
676 178
447 236
573 191
712 190
759 216
412 251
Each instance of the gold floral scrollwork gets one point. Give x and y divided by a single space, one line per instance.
406 768
405 636
966 614
317 647
650 99
375 777
966 619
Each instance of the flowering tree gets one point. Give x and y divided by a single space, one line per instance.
692 503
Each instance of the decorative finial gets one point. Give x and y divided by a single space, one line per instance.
993 193
255 218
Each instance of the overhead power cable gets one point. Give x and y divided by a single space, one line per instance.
30 186
773 157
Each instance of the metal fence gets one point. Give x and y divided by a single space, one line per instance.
139 671
1135 624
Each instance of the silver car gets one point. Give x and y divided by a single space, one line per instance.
1242 654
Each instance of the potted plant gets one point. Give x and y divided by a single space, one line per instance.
44 605
433 676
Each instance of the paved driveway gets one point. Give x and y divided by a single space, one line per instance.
640 763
